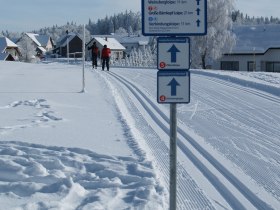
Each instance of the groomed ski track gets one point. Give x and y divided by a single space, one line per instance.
153 123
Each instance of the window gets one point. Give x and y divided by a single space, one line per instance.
251 66
273 66
230 65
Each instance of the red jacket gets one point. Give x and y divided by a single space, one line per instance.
94 50
106 52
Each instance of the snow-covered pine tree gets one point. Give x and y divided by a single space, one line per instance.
219 34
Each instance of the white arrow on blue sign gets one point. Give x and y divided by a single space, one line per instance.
173 53
173 86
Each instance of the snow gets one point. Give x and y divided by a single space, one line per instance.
107 148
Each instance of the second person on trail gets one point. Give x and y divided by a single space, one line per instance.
94 53
105 56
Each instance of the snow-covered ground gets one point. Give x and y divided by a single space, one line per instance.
107 148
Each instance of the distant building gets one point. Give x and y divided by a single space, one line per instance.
133 42
42 43
69 43
257 49
9 51
117 48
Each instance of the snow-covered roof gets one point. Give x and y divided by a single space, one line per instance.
42 49
256 39
127 39
5 42
34 39
111 43
43 39
40 40
62 41
141 40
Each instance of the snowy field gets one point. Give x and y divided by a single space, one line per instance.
107 148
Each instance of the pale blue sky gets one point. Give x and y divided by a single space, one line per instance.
26 15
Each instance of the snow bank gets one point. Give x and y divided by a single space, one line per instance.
264 81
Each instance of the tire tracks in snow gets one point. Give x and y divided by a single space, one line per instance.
216 167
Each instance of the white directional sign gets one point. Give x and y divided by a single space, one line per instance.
174 17
173 53
173 86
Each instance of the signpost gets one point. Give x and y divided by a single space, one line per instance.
173 18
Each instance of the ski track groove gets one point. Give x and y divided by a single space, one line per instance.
188 198
242 115
248 167
254 92
246 120
251 91
250 196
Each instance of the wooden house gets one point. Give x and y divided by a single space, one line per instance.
70 44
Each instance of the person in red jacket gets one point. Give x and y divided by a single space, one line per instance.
105 56
94 53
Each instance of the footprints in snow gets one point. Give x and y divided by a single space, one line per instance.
25 114
30 170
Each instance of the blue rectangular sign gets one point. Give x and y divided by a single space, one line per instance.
174 17
173 87
173 53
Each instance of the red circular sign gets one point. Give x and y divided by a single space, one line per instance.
162 98
162 65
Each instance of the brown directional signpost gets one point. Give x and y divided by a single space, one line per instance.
172 21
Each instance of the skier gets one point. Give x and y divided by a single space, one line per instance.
105 56
94 53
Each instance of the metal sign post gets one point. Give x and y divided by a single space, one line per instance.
84 53
173 157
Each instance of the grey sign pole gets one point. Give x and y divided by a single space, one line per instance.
173 157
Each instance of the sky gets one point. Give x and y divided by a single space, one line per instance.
31 15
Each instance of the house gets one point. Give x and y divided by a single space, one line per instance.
117 49
9 51
133 42
42 43
69 44
257 49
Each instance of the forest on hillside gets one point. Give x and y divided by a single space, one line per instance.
127 22
205 49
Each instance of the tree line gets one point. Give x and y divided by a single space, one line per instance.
240 18
221 18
